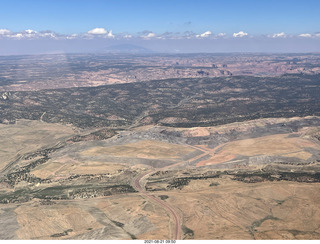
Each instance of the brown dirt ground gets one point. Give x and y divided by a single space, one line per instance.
41 221
272 145
143 149
218 208
236 210
65 166
141 218
28 136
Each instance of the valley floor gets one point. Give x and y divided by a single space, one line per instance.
257 179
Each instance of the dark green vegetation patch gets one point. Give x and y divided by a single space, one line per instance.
172 102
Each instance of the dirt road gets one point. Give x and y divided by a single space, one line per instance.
139 186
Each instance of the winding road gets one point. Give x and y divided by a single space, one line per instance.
139 186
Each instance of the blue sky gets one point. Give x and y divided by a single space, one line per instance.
50 26
133 16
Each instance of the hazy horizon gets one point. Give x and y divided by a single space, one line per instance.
40 27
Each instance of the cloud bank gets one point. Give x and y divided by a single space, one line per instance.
305 35
101 32
240 34
98 31
204 35
31 41
149 35
279 35
5 32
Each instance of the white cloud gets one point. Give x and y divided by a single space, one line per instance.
149 35
305 35
188 35
170 36
30 34
205 34
281 35
110 35
73 36
48 34
5 32
30 31
240 34
98 31
17 36
221 34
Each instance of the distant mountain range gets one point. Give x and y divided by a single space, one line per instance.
126 48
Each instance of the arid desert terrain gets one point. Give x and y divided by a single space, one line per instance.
202 156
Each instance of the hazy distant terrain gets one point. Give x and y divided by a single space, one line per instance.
157 146
36 72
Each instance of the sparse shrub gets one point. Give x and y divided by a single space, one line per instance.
214 184
163 197
187 231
